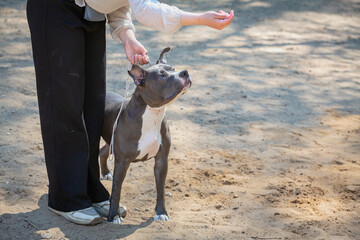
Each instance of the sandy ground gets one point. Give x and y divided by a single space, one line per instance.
266 144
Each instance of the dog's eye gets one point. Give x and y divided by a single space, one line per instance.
163 74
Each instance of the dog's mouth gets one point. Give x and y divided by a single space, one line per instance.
181 89
187 84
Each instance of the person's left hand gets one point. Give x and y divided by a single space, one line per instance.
136 52
216 20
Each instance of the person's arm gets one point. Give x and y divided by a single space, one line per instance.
118 20
169 19
158 16
212 19
122 29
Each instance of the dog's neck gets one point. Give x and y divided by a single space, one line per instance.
137 106
149 120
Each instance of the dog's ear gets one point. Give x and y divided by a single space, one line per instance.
138 74
162 58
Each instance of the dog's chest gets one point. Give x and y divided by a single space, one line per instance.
150 139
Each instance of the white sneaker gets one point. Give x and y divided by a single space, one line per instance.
87 216
103 208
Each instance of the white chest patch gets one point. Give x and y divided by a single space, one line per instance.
150 139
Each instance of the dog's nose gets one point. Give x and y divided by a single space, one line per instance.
184 74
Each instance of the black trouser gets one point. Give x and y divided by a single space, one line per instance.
69 59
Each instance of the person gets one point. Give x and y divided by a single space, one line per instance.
68 42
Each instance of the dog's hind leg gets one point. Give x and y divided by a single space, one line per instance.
104 154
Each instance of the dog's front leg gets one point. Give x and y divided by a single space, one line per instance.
160 171
121 166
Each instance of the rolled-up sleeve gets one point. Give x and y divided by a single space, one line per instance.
118 20
156 15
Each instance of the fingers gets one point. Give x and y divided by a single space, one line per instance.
140 50
222 15
136 52
224 22
141 54
139 59
232 14
143 60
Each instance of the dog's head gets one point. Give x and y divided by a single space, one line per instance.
160 84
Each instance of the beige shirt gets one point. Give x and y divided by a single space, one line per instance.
151 13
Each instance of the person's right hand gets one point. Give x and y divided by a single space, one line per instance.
135 52
216 20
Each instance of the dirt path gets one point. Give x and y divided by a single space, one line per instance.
266 144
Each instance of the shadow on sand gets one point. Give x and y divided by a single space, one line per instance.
38 223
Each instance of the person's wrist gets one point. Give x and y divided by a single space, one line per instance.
201 18
127 42
188 18
126 36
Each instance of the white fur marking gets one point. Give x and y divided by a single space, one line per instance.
107 176
117 220
162 217
150 139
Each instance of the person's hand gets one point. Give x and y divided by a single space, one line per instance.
216 20
212 19
135 51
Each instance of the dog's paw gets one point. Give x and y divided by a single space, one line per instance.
162 217
107 176
117 220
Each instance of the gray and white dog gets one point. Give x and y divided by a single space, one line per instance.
142 131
